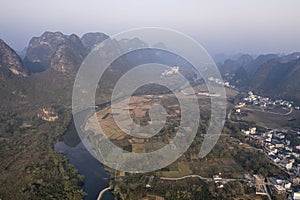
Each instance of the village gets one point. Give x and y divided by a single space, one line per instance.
266 104
281 146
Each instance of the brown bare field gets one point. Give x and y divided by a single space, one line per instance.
138 107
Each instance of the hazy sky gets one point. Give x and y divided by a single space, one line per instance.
230 26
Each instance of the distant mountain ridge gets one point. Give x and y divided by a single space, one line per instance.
53 59
91 40
271 74
45 50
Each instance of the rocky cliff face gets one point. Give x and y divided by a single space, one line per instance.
56 50
41 49
68 55
10 62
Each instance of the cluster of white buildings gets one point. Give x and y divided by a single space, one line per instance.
220 82
265 102
284 154
280 150
171 71
251 131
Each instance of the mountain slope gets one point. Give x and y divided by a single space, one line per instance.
278 79
91 40
10 62
231 65
254 65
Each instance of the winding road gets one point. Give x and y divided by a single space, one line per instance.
200 177
185 177
102 192
275 113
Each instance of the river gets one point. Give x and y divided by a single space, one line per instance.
95 177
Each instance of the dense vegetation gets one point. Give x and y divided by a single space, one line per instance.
30 169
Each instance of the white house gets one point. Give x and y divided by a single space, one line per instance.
289 166
296 195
